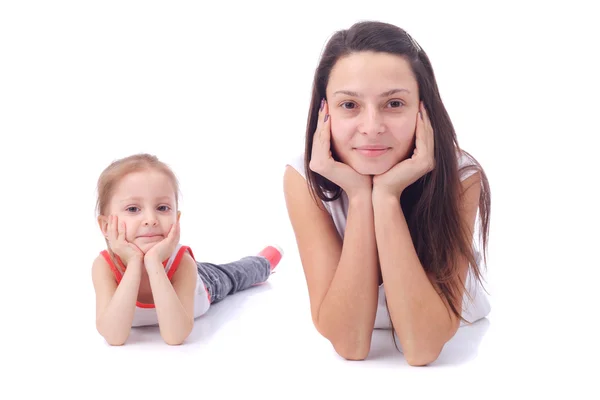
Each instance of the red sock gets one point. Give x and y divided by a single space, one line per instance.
272 253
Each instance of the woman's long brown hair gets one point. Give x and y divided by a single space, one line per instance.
432 204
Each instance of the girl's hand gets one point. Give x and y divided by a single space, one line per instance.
405 173
323 163
118 242
163 249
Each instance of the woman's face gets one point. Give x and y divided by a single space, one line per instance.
373 103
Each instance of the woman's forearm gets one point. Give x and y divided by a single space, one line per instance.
347 313
420 317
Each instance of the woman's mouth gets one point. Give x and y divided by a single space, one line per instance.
372 151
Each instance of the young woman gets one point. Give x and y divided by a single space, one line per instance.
383 202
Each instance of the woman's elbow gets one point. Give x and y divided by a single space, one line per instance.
352 348
352 353
346 345
419 357
419 353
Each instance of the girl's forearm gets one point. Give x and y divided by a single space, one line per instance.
174 322
114 324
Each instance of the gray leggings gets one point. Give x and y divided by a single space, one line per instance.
222 280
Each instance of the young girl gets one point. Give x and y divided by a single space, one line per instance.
383 202
145 276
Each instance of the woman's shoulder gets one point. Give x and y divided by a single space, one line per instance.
296 161
467 164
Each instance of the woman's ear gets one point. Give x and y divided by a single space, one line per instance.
103 224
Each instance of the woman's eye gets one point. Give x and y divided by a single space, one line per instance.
395 103
348 105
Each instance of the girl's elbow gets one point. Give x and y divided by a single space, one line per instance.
112 338
178 338
116 342
174 342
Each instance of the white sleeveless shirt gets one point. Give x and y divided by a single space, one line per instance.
145 314
473 308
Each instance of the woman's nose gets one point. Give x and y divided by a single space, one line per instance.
372 123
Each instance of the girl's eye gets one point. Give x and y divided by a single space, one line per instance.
132 209
163 208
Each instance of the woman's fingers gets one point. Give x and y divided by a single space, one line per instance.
321 149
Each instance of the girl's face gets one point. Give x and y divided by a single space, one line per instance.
146 202
373 103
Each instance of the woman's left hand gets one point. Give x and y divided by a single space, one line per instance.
405 173
165 248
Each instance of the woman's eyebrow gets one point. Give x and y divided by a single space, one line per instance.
384 94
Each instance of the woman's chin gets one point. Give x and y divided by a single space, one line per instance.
371 169
373 165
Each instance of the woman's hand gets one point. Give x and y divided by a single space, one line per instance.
118 243
165 248
405 173
323 163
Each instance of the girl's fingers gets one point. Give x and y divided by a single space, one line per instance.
175 232
121 235
112 231
171 232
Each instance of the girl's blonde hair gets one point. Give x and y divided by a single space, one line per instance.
112 175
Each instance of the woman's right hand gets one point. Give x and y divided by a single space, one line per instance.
118 243
323 163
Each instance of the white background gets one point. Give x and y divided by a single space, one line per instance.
222 96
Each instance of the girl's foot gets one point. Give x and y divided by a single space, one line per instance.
273 254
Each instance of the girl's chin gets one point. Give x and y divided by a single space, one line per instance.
145 247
